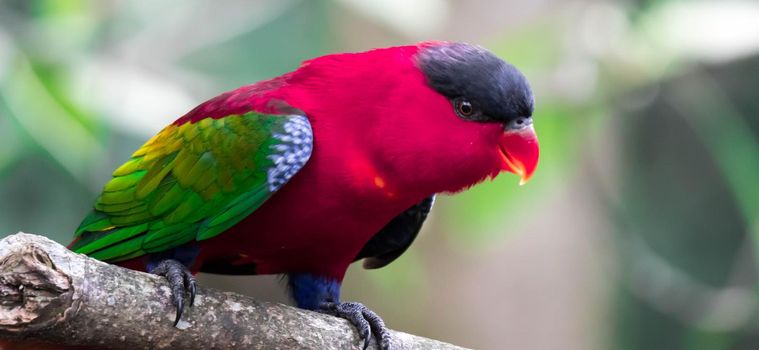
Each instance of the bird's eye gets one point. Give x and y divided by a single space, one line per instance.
464 108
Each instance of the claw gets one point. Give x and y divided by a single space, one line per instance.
179 303
365 320
180 281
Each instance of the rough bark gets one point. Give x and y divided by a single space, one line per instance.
48 293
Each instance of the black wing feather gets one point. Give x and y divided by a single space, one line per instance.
393 239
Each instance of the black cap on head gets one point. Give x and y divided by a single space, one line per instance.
498 91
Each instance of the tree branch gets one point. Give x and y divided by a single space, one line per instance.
48 293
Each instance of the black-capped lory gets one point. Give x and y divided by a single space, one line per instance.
308 172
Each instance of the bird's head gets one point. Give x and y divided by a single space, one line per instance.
435 116
482 88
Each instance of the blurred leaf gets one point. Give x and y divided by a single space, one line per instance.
700 340
31 104
61 7
728 136
268 50
10 143
533 49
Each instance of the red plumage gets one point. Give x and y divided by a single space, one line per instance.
383 141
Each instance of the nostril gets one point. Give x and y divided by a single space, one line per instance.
520 122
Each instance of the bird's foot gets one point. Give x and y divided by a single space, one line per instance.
181 281
366 321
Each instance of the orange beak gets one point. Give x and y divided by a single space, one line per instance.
519 151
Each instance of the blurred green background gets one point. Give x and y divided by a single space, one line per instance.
639 230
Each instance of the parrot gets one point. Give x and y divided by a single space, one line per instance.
303 174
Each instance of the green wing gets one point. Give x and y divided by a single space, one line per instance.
193 181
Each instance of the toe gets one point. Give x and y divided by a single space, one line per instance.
192 286
365 320
180 281
378 327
